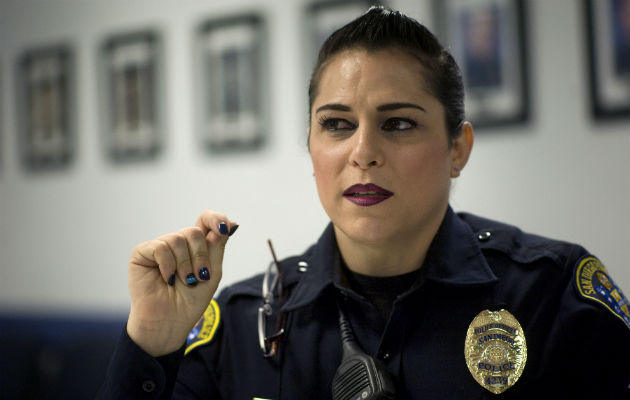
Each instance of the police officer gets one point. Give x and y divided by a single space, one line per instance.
430 303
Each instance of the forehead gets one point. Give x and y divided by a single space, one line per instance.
390 72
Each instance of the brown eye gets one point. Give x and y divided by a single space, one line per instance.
398 124
335 124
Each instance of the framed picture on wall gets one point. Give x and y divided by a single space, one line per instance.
323 18
608 37
487 39
132 95
46 107
233 77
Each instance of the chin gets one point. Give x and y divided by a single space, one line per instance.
365 230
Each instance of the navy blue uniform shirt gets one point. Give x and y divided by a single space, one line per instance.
577 347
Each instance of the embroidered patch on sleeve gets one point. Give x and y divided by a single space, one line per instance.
205 328
594 283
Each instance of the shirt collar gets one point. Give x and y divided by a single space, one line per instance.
454 258
322 260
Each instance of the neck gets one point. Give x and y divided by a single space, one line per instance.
397 256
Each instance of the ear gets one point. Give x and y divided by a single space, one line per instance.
461 148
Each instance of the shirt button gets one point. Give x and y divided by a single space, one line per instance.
385 356
148 386
302 266
484 236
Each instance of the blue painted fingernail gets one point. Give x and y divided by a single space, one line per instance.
190 279
223 229
171 280
204 274
233 229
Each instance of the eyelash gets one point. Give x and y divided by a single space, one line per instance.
327 123
412 123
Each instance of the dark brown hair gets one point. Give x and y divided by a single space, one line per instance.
380 28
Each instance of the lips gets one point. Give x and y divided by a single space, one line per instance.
366 195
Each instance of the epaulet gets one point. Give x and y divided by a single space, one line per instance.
204 330
593 283
523 247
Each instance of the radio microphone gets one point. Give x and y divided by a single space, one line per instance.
360 376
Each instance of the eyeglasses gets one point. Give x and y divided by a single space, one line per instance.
271 288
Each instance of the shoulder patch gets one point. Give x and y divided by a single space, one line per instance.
594 283
204 330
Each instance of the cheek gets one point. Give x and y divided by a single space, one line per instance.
327 159
426 167
324 167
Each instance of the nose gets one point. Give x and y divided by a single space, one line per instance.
366 149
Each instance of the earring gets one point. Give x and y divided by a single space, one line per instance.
455 172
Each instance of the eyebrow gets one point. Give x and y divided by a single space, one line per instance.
384 107
396 106
333 107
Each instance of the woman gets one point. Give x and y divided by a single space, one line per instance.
447 305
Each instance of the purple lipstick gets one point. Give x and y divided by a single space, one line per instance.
366 195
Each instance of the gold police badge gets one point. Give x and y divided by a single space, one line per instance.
495 350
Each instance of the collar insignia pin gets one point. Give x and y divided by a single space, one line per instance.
495 350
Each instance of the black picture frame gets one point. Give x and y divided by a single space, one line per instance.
488 40
46 106
233 89
132 109
608 57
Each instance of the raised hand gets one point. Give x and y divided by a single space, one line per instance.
172 280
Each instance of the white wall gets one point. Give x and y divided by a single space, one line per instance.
65 236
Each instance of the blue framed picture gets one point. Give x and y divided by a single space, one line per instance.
608 38
488 40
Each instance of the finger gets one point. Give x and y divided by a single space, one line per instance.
166 261
216 245
143 255
155 253
217 223
179 247
198 250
